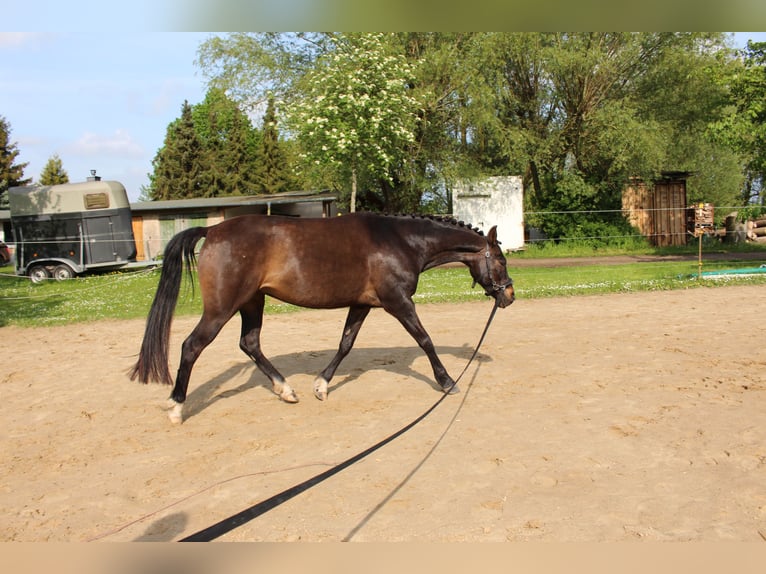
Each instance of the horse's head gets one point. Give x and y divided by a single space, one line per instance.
489 270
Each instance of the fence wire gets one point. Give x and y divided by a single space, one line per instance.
525 215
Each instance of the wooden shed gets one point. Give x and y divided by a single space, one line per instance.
658 210
155 222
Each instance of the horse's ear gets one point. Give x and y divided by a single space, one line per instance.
492 235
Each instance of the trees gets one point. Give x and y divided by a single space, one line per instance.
230 142
576 114
682 94
250 67
181 165
210 151
272 172
354 83
54 173
579 113
11 173
743 127
356 115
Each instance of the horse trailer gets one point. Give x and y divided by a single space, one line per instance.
65 230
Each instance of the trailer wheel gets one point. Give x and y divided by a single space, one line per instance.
38 274
63 272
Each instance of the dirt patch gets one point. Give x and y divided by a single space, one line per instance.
617 417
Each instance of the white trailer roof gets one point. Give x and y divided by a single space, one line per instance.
66 198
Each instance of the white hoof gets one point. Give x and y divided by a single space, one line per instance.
288 394
174 414
320 388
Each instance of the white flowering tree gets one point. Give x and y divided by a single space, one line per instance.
357 114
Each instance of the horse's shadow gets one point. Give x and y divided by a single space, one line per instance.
359 361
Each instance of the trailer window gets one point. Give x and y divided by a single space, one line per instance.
96 200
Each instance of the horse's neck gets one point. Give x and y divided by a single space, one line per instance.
460 249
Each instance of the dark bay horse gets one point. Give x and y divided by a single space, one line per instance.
359 261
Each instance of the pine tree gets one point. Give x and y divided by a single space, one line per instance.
271 173
209 152
236 156
54 173
11 174
230 139
181 166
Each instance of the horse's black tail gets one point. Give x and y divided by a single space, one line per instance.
152 364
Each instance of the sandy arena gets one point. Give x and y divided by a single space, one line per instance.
604 418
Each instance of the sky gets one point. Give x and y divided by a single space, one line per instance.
98 100
102 100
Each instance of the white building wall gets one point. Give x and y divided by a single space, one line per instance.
493 201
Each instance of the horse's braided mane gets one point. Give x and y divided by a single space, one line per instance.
439 218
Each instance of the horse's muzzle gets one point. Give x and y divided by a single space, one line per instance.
504 296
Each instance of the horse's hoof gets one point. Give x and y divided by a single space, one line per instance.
452 390
320 389
289 397
174 414
284 392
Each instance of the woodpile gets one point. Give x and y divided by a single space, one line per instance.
699 221
756 230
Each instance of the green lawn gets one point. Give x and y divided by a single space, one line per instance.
128 295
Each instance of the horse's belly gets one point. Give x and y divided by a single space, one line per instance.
319 296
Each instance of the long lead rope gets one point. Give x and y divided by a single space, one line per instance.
228 524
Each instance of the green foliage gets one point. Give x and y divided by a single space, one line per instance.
11 173
743 127
751 212
249 66
443 83
54 173
569 212
181 167
230 142
605 106
272 172
356 115
608 105
683 94
213 150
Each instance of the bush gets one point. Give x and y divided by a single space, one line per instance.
589 230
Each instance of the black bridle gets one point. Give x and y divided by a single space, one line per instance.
495 285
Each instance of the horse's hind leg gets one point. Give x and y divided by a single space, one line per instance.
354 320
202 335
250 343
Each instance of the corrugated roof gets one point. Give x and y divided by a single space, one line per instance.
234 201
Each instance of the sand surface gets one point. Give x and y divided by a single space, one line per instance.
605 418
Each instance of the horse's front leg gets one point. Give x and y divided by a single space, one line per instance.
354 320
250 343
404 311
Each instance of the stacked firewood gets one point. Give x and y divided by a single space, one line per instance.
756 229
